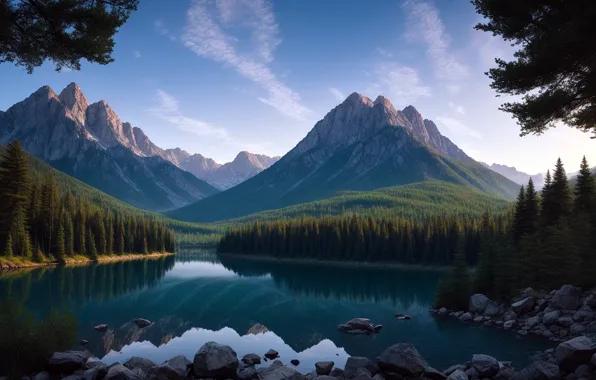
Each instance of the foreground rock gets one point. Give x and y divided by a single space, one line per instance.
575 352
67 362
101 328
214 360
359 326
403 359
176 368
142 322
324 368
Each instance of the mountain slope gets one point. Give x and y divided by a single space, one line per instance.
359 145
90 142
515 175
243 167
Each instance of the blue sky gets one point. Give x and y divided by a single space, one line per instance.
217 77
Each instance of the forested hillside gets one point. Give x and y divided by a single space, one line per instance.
41 219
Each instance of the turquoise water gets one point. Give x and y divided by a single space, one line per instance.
197 297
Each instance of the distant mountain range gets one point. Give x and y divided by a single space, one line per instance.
359 145
516 176
244 166
91 143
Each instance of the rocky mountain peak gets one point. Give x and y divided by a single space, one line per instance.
45 92
383 101
413 115
358 99
72 98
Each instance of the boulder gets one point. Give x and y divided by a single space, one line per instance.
532 321
565 321
478 320
96 373
509 324
523 306
257 328
93 362
83 342
492 309
454 368
466 317
42 376
509 316
324 368
458 374
248 373
295 362
251 359
478 303
432 374
574 352
358 324
271 354
442 312
279 372
74 376
404 359
551 317
568 298
584 371
378 376
176 368
583 316
354 363
337 372
590 301
577 329
216 361
485 365
120 372
538 370
137 362
101 328
142 322
67 362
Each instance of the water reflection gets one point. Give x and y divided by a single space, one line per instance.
200 298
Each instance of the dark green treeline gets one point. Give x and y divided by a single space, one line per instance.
359 238
551 242
39 220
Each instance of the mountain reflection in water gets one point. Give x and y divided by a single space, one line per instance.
196 297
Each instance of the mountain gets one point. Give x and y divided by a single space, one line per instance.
244 166
91 143
516 176
359 145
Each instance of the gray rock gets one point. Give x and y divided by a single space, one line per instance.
378 376
247 373
295 362
67 362
251 359
357 324
101 328
458 374
505 373
454 368
120 372
354 363
176 368
509 324
280 372
551 317
466 317
74 376
337 372
583 316
142 322
324 368
442 312
590 301
433 374
137 362
532 321
96 373
93 362
538 370
324 377
404 359
485 365
472 373
523 306
576 329
565 321
593 360
458 314
478 303
492 309
215 360
478 320
42 376
583 371
271 354
574 352
509 316
568 298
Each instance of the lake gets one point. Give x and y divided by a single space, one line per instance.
196 297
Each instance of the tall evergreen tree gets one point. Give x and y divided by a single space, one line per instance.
584 189
560 194
60 251
8 247
519 216
532 209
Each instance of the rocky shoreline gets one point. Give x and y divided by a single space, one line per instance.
571 360
557 315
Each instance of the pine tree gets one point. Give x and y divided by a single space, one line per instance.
8 247
91 248
60 251
584 189
560 194
532 209
454 292
15 186
68 235
519 216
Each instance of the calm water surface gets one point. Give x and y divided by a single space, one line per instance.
197 297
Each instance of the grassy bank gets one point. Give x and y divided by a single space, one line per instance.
8 263
362 264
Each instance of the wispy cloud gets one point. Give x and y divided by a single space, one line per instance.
384 52
338 95
457 108
137 54
401 83
204 34
455 126
169 111
161 29
424 24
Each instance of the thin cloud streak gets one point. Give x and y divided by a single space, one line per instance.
205 36
384 52
402 83
455 126
424 24
336 93
457 108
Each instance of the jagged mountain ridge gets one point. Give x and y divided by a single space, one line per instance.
90 142
243 167
358 145
515 175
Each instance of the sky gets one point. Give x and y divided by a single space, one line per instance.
218 77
